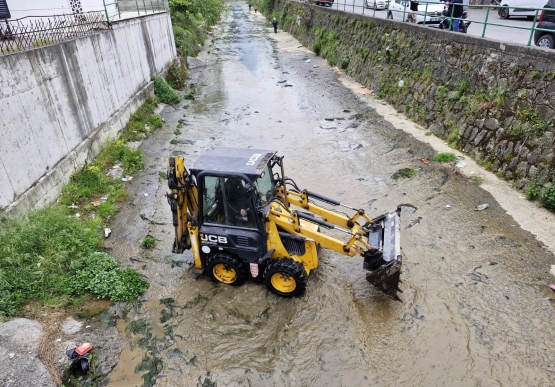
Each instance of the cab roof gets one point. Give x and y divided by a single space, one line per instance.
250 162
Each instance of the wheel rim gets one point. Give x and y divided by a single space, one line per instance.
504 13
224 273
283 282
543 42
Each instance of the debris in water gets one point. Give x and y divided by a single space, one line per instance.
460 164
448 206
482 207
127 178
308 61
107 232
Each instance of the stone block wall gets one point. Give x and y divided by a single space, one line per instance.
495 101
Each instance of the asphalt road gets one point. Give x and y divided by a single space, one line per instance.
513 30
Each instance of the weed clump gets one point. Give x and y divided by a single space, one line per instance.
445 157
405 173
164 92
476 180
148 242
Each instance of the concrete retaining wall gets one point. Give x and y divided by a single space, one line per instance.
60 102
495 101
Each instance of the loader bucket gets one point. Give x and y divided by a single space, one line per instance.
384 263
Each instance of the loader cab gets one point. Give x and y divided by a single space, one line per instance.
234 186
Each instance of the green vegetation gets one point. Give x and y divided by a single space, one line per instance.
51 256
148 242
445 157
142 122
405 173
532 189
43 42
476 180
547 196
164 91
428 133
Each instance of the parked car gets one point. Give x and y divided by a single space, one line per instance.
546 21
399 10
379 4
525 8
325 3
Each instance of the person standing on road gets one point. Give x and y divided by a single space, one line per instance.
413 11
275 24
455 11
255 9
250 6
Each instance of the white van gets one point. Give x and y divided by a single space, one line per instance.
526 8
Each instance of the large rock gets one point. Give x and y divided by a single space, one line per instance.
19 362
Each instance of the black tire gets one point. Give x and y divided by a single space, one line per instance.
546 41
390 15
504 13
285 277
226 269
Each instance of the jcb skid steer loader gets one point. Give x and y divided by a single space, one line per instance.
243 218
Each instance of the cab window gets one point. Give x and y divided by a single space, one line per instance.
265 186
226 202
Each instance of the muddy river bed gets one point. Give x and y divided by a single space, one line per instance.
476 308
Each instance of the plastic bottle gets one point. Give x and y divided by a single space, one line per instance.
482 207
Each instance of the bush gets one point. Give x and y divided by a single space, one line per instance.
548 196
164 92
532 190
177 74
445 157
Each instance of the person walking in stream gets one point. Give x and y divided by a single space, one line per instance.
275 24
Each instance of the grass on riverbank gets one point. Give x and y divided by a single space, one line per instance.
53 256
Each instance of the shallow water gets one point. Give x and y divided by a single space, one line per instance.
476 310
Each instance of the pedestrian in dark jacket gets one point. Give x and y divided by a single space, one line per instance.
275 24
455 10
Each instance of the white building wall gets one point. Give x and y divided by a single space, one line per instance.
53 98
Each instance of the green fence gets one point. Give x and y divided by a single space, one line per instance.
426 17
124 9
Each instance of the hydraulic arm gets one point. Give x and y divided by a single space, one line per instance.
377 240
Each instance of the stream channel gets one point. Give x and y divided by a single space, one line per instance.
476 310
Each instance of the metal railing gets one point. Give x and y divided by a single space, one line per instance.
30 32
122 9
369 7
